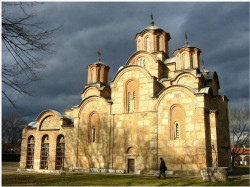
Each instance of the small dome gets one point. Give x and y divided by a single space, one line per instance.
120 68
152 27
32 124
99 62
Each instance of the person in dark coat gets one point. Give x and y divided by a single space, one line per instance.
163 168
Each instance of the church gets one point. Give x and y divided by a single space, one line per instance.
155 106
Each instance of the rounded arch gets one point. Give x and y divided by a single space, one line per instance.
31 139
93 126
131 149
177 121
179 76
164 92
47 113
94 119
186 79
131 95
90 99
45 138
139 54
60 138
246 159
131 68
90 90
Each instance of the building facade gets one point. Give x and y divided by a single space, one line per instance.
155 106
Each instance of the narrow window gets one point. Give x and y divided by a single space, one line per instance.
60 152
134 101
30 152
93 135
147 44
176 131
44 152
98 75
131 96
129 102
158 43
184 63
92 75
177 115
94 127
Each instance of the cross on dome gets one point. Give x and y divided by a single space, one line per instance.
99 54
186 42
152 19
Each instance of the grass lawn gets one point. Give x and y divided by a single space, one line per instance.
16 164
14 178
34 179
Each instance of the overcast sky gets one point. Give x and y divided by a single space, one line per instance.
220 30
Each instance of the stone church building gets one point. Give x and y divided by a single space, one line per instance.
155 106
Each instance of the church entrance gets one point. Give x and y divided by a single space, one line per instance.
131 165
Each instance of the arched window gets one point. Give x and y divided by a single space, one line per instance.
157 43
30 152
177 130
141 62
183 60
94 121
60 152
92 75
44 152
147 44
131 96
177 122
98 74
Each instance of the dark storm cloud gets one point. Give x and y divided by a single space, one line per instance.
221 30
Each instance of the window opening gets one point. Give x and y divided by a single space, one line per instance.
147 44
158 43
93 135
98 75
92 75
44 153
176 131
129 107
30 153
60 153
134 100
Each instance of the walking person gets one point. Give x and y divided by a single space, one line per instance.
163 168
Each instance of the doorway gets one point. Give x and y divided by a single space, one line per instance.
131 165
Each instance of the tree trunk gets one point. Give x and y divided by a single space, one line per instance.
232 161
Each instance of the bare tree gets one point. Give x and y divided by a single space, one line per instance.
239 127
12 129
23 38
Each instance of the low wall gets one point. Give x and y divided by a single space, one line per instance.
214 173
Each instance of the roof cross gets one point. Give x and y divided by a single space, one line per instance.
186 37
203 65
99 54
152 19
